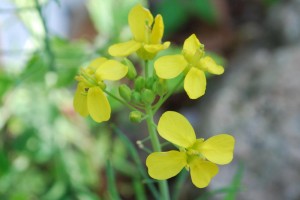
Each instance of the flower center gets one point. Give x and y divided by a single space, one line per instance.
89 78
199 53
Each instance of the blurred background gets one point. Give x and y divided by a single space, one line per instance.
47 151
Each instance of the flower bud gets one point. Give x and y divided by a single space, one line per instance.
149 82
125 92
147 96
135 116
131 74
160 88
136 97
139 83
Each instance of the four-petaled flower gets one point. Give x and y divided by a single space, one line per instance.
193 61
89 96
198 156
147 35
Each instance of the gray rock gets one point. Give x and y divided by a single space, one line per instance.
283 22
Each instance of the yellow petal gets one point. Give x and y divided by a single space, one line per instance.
80 100
98 105
111 70
157 30
218 149
154 48
208 64
96 63
164 165
202 172
168 67
175 128
191 44
195 83
124 49
140 20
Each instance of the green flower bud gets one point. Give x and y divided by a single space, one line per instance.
160 88
150 81
135 116
125 92
131 74
136 97
139 83
147 96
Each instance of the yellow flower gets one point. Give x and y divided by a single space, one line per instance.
197 155
194 62
89 96
147 35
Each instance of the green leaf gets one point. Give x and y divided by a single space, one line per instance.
5 83
5 165
235 183
204 9
35 69
174 14
112 187
135 156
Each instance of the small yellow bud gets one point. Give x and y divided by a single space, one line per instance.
135 116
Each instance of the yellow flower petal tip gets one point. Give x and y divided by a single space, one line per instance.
198 155
175 128
219 149
111 70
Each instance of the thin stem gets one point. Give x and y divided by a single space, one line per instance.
120 100
146 68
48 47
164 98
163 185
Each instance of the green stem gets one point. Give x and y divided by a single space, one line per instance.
48 46
164 98
163 185
146 68
120 100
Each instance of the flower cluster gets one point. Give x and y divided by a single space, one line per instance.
148 92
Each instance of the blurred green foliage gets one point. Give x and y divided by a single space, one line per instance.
177 12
